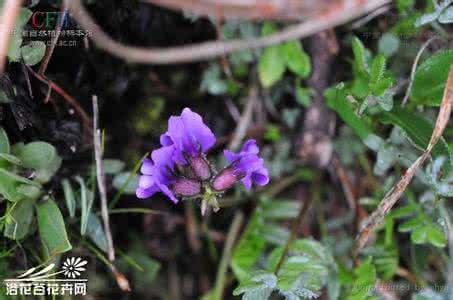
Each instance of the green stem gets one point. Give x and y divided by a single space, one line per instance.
226 255
128 180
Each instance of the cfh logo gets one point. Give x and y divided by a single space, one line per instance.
48 19
45 282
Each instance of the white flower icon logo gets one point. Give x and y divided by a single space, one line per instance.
73 267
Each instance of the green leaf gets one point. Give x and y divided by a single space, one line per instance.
95 231
4 142
365 277
69 197
86 203
37 155
359 55
297 60
21 217
259 285
430 78
126 177
411 224
336 100
248 249
377 69
436 236
271 65
10 159
33 53
113 166
419 235
418 129
44 175
280 209
14 52
52 228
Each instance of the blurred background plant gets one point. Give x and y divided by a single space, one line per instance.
386 74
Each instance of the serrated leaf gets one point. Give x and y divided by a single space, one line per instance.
52 228
297 60
430 78
365 277
271 65
377 68
359 54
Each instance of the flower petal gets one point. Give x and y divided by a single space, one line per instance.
197 130
144 193
250 147
147 167
146 181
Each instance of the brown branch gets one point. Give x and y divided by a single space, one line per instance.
100 176
243 9
53 42
209 50
86 120
395 193
9 13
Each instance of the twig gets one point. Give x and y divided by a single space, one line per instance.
53 42
371 16
86 120
414 68
244 121
395 193
245 9
296 225
121 280
226 255
100 175
209 50
10 11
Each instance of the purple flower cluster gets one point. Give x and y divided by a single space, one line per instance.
180 168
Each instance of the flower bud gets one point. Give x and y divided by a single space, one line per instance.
226 179
186 187
200 167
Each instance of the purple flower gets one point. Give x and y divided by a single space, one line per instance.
190 136
246 166
158 174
